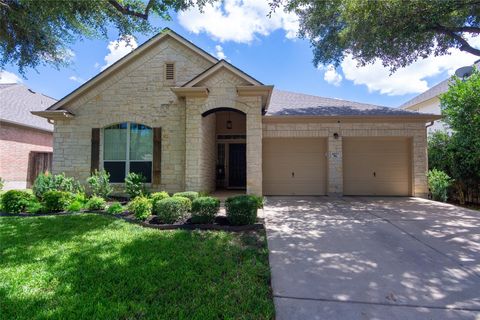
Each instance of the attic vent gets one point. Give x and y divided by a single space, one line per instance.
169 71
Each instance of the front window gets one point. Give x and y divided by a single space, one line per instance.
127 147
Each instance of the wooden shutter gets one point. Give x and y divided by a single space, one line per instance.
157 155
95 153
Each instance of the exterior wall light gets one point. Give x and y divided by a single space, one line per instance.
335 135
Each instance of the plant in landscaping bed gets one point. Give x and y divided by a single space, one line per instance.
204 209
157 196
171 210
439 181
99 184
34 206
141 207
192 195
95 203
75 206
54 200
46 182
242 210
135 185
115 208
16 201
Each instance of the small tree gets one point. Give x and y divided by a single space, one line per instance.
99 183
438 181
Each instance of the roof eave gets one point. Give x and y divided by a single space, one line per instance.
353 118
195 92
265 91
54 114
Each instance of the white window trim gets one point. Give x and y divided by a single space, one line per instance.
127 151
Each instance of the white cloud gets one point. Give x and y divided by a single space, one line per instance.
411 79
118 49
331 75
238 20
8 77
76 79
219 52
96 65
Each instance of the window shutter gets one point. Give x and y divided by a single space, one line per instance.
95 153
157 155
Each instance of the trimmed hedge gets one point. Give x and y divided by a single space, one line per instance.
141 207
55 201
171 210
192 195
16 201
157 196
242 210
204 209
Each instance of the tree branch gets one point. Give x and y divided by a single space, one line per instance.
465 29
127 11
464 45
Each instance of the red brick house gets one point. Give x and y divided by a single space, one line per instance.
25 140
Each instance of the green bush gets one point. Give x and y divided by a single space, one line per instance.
16 201
95 203
54 200
75 206
192 195
115 208
171 210
204 209
141 207
242 210
99 184
157 196
34 206
186 202
47 182
438 182
135 185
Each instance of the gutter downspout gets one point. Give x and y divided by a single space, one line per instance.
429 125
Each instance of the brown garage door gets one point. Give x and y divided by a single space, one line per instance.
377 166
294 166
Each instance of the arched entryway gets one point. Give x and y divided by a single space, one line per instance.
224 148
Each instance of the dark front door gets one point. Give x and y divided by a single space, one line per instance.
237 172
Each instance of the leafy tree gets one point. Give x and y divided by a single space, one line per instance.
34 32
398 32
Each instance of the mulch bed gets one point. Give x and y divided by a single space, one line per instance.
221 222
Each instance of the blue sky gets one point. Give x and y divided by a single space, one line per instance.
267 49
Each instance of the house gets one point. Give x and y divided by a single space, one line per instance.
25 140
188 121
429 102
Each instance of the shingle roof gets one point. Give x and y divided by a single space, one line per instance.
16 102
292 103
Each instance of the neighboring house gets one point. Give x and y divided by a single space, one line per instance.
429 102
25 140
188 121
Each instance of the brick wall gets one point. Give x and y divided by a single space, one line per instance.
16 144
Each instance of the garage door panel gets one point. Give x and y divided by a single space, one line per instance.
376 166
304 157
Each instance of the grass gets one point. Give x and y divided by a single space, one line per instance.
95 267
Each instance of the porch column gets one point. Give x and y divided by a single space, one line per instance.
254 151
193 143
335 164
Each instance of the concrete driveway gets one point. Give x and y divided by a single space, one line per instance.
373 258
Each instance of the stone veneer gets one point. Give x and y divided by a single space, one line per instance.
304 128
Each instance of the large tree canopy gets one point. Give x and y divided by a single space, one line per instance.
398 32
34 32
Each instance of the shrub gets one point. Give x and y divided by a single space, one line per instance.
192 195
242 210
204 209
141 207
54 200
34 206
95 203
171 210
75 206
99 183
135 185
115 208
46 182
80 197
439 181
186 202
16 201
157 196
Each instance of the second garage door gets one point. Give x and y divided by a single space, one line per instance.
377 166
294 166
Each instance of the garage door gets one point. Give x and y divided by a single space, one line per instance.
294 166
376 166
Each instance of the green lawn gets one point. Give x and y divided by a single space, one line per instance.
95 267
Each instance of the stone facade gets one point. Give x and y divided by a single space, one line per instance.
414 130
